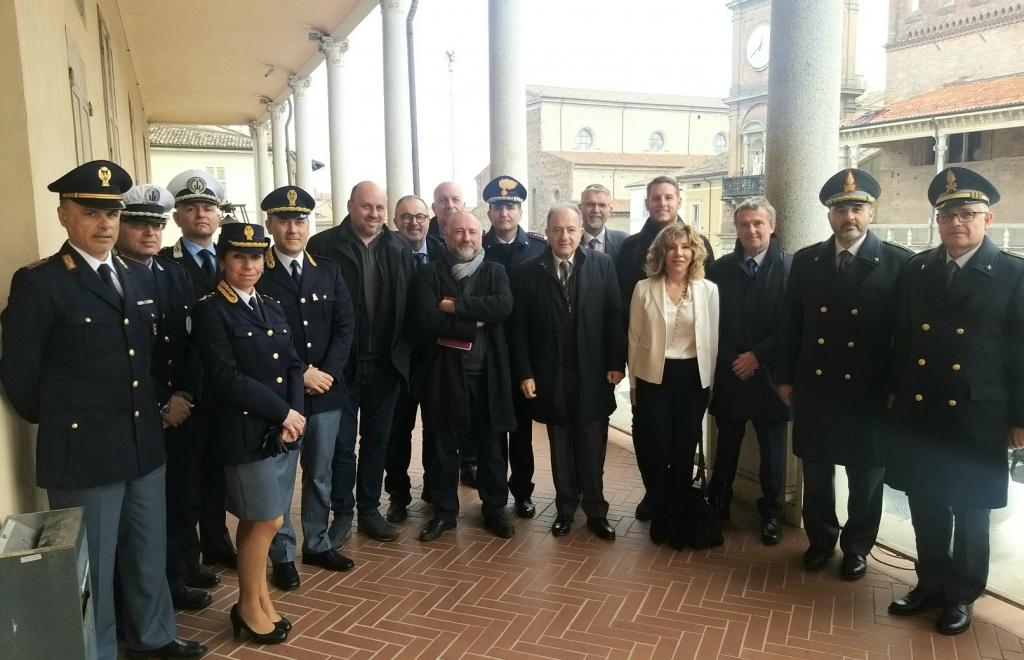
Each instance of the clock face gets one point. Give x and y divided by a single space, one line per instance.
757 47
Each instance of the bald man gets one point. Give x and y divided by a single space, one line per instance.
377 265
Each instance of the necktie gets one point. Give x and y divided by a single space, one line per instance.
296 274
255 307
207 258
592 244
752 267
107 275
563 270
421 259
952 268
845 257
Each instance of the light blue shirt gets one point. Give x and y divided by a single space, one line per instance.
194 249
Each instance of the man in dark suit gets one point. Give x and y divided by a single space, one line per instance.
662 203
176 382
835 364
448 200
377 267
569 296
507 244
596 206
77 335
751 285
197 196
959 400
318 308
459 305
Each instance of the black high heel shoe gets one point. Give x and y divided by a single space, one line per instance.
283 624
276 636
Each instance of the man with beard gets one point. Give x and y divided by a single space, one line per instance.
751 284
377 266
448 200
596 207
459 307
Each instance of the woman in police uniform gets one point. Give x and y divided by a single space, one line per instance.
253 371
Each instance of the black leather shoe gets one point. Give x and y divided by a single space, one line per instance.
186 598
467 476
525 508
238 624
377 528
283 624
955 618
332 560
222 556
176 648
200 578
500 525
435 528
644 510
815 559
658 533
396 513
561 526
601 528
854 567
771 531
284 576
912 602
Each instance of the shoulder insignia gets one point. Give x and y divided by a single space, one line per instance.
38 263
176 251
207 296
69 262
269 258
312 261
537 237
226 291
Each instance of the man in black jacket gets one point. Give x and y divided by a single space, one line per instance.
377 266
662 203
751 284
596 206
568 296
960 397
318 307
459 306
835 367
448 200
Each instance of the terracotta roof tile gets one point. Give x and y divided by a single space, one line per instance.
952 99
198 137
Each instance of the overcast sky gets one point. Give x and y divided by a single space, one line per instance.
657 46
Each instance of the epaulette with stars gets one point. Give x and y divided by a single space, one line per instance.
537 237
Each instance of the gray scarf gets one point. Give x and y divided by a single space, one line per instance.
462 270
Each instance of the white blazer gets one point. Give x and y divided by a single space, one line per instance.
647 330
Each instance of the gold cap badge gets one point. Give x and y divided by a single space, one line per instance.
850 185
104 174
506 186
249 232
292 197
950 181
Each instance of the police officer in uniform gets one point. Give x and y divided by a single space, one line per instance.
176 382
507 244
197 196
960 396
318 307
77 333
834 369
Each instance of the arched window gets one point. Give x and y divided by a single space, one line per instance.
719 143
656 142
584 139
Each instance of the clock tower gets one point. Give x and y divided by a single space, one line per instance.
748 95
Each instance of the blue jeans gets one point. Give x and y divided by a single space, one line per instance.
369 408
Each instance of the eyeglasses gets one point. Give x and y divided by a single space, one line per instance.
965 217
409 217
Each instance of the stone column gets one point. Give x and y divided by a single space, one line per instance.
505 27
280 143
803 115
334 53
264 168
397 122
303 133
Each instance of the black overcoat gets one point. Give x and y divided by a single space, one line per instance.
751 313
539 346
960 361
836 349
440 379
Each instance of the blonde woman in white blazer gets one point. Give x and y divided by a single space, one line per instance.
673 346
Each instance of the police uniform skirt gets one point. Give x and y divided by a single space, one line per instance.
252 490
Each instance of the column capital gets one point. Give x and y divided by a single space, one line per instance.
333 49
277 110
392 5
258 124
299 84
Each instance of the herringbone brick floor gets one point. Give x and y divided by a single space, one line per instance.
471 595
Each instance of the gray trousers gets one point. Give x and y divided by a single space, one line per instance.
318 447
126 521
282 548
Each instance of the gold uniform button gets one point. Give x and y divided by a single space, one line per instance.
245 412
74 425
850 344
951 403
847 377
956 367
302 300
275 356
821 340
131 351
248 334
280 379
126 321
270 333
305 323
309 344
136 413
926 327
817 372
855 311
824 310
921 362
959 331
88 319
918 397
167 338
135 383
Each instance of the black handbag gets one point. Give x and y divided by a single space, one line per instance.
702 527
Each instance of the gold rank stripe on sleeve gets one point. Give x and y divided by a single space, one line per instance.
226 291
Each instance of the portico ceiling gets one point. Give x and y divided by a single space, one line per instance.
210 62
